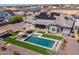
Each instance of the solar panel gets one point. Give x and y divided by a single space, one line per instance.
44 15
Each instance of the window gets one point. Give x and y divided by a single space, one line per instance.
53 29
6 14
76 27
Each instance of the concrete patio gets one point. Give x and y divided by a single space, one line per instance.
72 47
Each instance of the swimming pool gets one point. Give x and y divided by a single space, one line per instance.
40 41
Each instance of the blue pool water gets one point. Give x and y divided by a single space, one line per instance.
41 41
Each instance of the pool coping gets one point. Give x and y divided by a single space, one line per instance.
53 48
41 45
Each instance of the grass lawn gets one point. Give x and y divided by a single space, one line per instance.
32 30
13 33
41 32
28 46
52 37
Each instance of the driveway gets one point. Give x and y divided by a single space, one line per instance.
72 47
20 25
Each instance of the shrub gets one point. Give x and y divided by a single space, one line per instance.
65 41
78 41
3 48
23 36
78 32
15 19
16 53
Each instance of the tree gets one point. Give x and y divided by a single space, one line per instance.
15 19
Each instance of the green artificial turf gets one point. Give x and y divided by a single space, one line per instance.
52 37
28 46
13 33
41 32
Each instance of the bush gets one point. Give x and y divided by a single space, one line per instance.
16 53
78 32
24 36
16 19
73 36
3 48
78 41
29 32
65 41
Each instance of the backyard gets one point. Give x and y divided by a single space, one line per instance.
28 46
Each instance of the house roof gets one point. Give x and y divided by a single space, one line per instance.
2 31
8 11
64 20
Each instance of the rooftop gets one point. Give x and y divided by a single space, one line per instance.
2 31
67 20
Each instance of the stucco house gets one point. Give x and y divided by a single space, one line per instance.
76 26
54 22
6 15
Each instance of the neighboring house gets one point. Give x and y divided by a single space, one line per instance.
10 8
76 26
28 11
6 15
19 12
54 22
2 22
2 32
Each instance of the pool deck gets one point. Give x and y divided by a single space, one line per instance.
55 46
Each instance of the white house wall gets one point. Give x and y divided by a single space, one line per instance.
3 14
53 27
